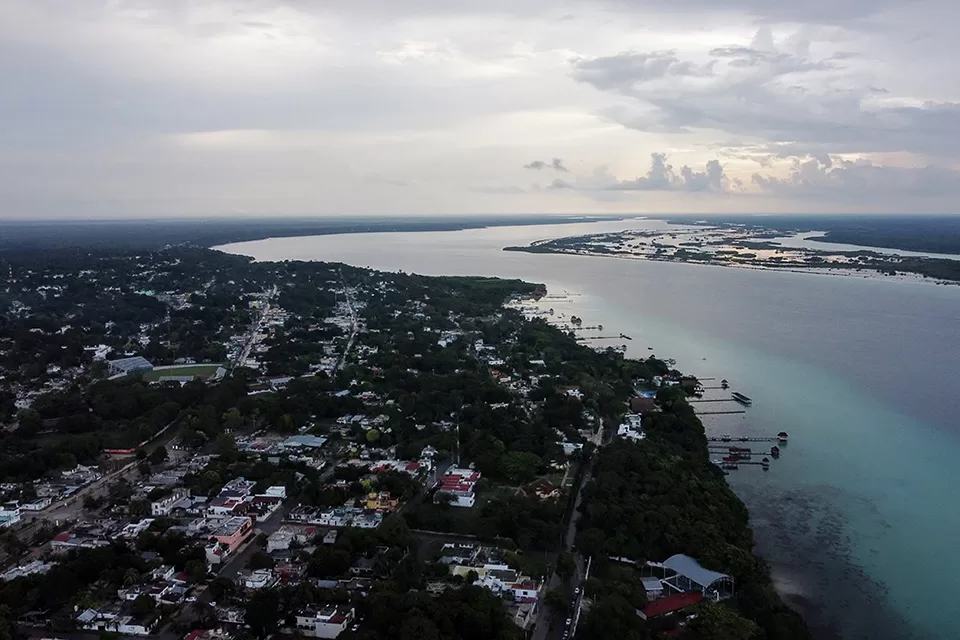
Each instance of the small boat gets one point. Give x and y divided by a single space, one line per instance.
725 437
742 399
649 348
729 465
775 451
782 436
724 384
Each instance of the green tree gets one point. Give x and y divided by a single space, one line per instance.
260 560
227 448
520 466
196 569
558 600
566 566
718 621
232 419
262 612
143 605
158 455
373 435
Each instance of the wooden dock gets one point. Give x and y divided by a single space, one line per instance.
746 439
718 413
712 400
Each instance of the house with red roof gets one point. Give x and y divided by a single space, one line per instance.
460 485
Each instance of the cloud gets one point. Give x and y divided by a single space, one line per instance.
860 180
556 164
372 106
810 105
663 177
624 71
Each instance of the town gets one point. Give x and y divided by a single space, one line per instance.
199 446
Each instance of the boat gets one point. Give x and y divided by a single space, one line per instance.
742 399
782 436
765 461
725 437
724 384
729 465
626 337
775 451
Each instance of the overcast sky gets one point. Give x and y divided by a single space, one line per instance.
224 107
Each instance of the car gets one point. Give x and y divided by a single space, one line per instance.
569 621
191 598
576 591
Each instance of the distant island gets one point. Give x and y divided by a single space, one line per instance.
754 245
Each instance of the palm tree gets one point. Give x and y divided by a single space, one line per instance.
131 577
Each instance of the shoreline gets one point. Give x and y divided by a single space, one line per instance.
793 599
864 274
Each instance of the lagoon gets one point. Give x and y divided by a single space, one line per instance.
858 518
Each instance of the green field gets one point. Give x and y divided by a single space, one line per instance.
196 370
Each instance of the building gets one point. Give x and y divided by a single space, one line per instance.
38 504
670 604
28 569
227 538
127 366
653 587
118 622
688 575
632 428
9 514
257 579
382 500
298 443
327 622
282 538
166 504
459 484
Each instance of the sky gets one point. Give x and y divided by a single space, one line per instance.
149 108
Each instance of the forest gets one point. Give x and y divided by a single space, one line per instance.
651 500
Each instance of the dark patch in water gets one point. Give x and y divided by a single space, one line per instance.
800 533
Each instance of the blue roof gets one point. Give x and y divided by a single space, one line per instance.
691 569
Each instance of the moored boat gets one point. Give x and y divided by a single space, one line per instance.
742 399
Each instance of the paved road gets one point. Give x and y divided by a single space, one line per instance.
545 617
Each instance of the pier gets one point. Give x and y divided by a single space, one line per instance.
718 413
747 439
712 400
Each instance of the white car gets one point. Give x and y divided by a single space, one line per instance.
191 598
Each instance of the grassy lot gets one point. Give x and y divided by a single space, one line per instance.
196 370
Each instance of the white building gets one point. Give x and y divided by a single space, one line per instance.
328 622
166 504
36 505
9 514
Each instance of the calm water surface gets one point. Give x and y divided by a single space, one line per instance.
859 518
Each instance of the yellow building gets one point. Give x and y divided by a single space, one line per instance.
382 500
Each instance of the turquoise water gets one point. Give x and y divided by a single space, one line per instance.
857 518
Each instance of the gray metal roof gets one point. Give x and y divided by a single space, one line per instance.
690 568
